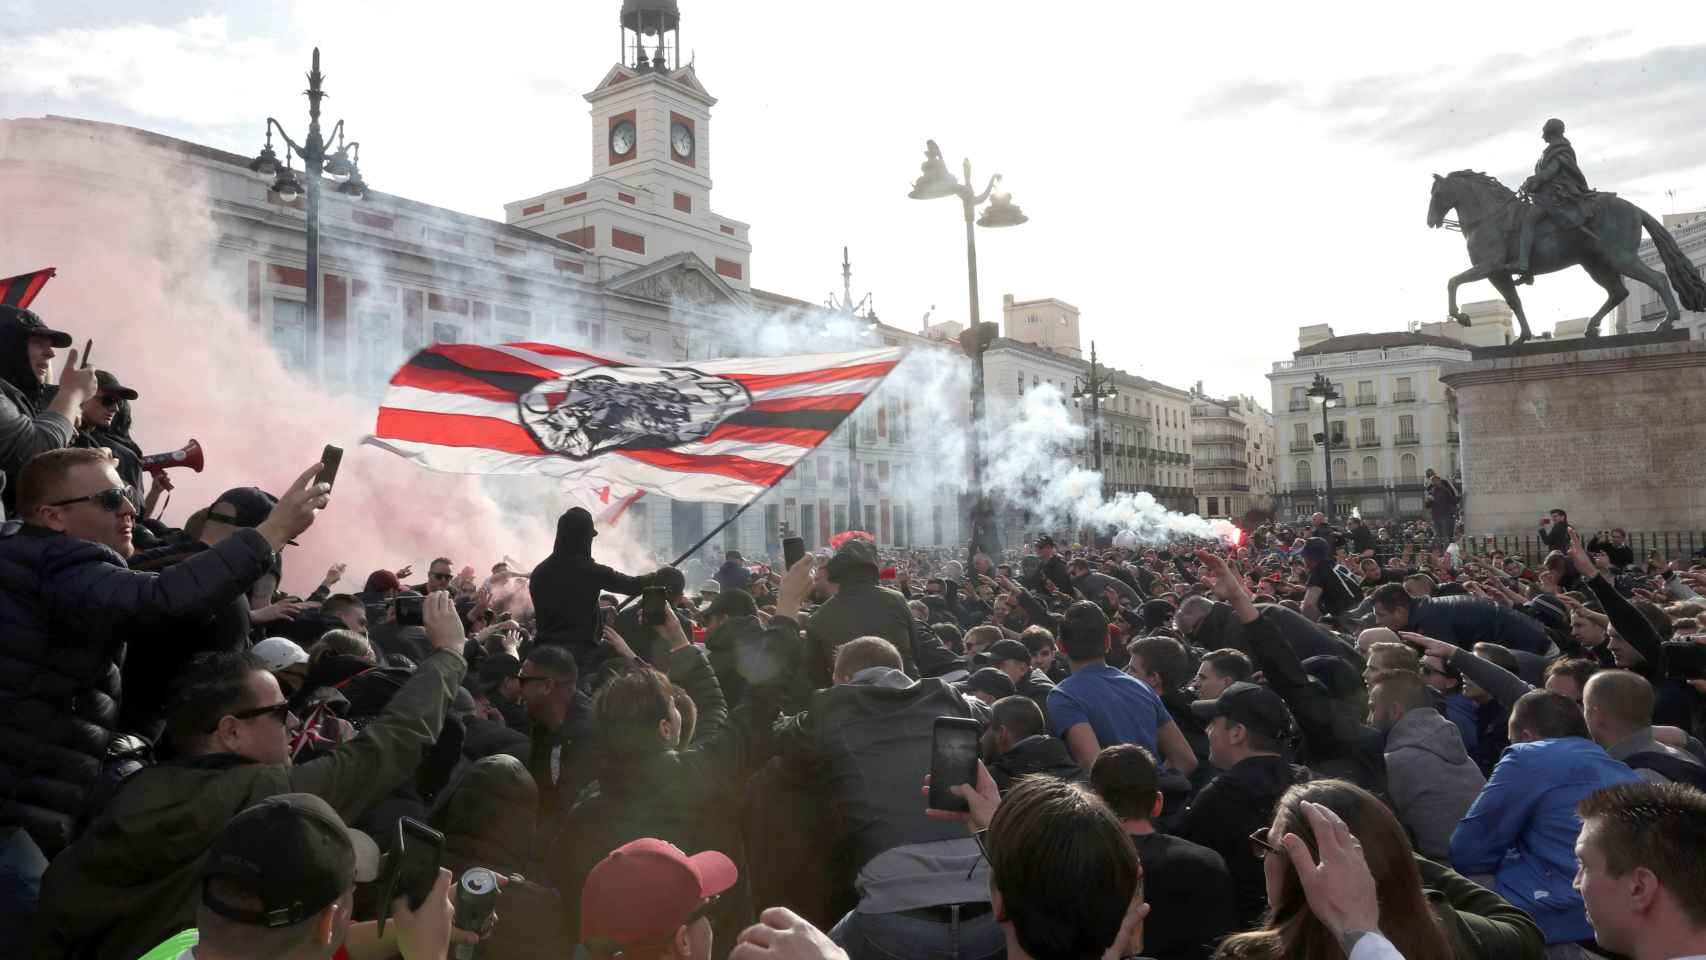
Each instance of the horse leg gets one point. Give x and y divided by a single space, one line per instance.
1506 285
1477 272
1631 266
1606 276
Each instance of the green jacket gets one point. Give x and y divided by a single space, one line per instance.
1480 924
131 879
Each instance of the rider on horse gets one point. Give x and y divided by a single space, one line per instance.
1556 189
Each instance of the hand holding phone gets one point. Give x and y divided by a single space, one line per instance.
330 459
953 761
411 868
654 606
793 550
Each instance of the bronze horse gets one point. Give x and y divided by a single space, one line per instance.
1489 215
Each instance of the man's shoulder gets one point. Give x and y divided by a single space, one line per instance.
1178 855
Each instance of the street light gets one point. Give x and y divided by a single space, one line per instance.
340 164
933 183
1322 390
1092 392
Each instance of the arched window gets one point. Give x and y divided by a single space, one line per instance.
1407 468
1303 479
1341 468
1370 469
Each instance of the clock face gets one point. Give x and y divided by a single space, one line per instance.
681 139
622 138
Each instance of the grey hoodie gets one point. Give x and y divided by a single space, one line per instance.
1431 779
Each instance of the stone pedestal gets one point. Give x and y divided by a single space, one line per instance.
1612 430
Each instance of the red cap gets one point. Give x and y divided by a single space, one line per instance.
645 890
381 580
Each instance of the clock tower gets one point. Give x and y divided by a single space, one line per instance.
650 192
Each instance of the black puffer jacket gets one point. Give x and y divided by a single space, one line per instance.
67 606
566 585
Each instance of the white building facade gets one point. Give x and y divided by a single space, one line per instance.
1643 310
1231 451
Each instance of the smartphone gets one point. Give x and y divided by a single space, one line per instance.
953 760
88 348
654 606
793 550
411 610
330 458
411 868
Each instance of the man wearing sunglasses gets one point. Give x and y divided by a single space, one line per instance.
69 604
130 880
439 575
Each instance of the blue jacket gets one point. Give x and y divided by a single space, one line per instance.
1464 621
1523 827
1464 712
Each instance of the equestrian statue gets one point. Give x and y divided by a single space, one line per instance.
1556 221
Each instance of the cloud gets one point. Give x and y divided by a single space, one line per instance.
1246 95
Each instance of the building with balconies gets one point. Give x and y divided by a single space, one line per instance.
1226 435
1643 310
1392 421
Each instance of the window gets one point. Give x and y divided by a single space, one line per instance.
840 523
1365 391
1300 434
731 532
1021 383
1213 506
1406 426
1370 469
1030 318
1303 479
1338 428
1407 468
822 469
1368 431
445 332
373 351
1341 468
290 333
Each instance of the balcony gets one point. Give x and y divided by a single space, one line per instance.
1302 446
1453 437
1368 441
1406 397
1341 443
1407 440
1367 401
1210 464
1299 405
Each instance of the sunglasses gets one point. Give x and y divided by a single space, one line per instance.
1259 845
525 679
278 711
438 576
112 499
108 400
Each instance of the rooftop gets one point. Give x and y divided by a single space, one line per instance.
1378 341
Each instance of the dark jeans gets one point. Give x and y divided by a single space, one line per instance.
21 869
896 936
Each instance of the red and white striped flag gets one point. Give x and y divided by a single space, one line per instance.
721 431
607 502
18 291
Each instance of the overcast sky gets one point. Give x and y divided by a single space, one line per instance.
1201 178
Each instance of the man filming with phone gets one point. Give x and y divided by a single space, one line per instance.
130 881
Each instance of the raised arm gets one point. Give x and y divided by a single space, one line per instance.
1504 686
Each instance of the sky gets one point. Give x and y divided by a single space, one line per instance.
1201 179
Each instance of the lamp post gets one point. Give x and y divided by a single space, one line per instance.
1322 389
1092 392
933 183
340 164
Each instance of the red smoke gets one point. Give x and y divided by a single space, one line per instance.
133 241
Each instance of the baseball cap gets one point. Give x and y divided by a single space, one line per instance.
1549 610
497 668
991 681
292 854
647 889
1045 541
1250 704
109 384
279 653
710 586
1007 649
242 506
31 326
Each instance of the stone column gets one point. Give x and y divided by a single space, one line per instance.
1612 429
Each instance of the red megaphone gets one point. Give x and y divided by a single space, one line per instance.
189 455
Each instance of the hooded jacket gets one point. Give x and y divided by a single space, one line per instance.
67 608
1430 778
26 426
487 821
566 585
1039 754
860 608
131 880
1523 826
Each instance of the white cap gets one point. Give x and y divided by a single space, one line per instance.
279 653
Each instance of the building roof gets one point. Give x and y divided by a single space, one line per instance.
1378 341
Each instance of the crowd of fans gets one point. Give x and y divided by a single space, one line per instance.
1304 744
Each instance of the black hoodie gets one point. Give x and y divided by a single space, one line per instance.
566 585
22 397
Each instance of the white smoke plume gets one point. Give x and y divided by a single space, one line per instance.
1029 464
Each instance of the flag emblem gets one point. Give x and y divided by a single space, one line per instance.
604 408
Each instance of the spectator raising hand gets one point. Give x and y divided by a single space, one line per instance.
443 624
1338 884
296 510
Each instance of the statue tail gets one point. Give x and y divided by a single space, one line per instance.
1684 275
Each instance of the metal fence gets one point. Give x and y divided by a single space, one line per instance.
1666 544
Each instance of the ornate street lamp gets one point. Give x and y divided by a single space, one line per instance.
319 159
935 182
1322 391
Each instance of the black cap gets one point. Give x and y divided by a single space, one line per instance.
577 520
1006 649
1045 541
497 668
1250 704
109 384
991 681
30 325
242 507
293 854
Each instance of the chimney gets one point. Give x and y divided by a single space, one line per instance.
1312 334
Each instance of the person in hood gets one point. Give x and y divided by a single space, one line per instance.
1017 744
30 421
733 574
566 586
1430 777
859 608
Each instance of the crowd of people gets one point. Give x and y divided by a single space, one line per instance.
1299 744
